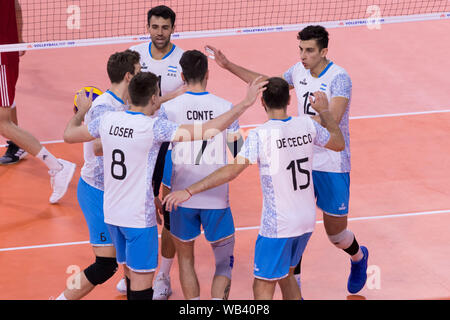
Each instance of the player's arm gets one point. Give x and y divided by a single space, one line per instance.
337 108
212 127
340 92
215 179
173 94
245 74
75 130
327 120
98 148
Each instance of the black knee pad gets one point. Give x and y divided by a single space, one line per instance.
102 270
166 219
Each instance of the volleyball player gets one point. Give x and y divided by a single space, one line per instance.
331 170
121 68
162 57
130 142
21 141
193 161
283 149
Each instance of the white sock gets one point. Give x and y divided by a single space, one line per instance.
166 264
196 298
61 297
50 161
216 299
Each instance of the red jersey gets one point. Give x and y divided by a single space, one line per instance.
8 30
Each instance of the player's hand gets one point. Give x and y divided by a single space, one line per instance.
173 199
217 55
319 102
254 89
159 210
22 53
84 102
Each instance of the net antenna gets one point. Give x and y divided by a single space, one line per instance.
60 24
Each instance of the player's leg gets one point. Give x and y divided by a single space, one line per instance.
186 264
263 289
141 259
104 266
289 286
185 227
272 262
162 287
333 193
61 171
13 152
218 226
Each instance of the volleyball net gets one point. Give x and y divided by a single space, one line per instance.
58 23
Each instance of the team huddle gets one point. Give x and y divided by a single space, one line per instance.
158 125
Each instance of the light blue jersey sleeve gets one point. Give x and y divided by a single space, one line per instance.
164 130
288 75
322 135
99 110
341 86
94 127
250 148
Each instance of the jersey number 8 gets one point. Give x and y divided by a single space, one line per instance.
118 160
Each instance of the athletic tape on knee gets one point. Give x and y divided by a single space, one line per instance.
101 270
223 254
342 240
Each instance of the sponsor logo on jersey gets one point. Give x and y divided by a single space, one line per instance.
303 82
144 66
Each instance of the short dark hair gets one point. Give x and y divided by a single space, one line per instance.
318 33
142 87
194 65
120 63
163 12
276 95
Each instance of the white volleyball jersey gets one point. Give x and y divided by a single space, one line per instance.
335 82
194 160
284 152
92 170
168 69
131 142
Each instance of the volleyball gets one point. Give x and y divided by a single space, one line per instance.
95 93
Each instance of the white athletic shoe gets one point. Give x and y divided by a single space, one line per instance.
161 288
60 180
122 286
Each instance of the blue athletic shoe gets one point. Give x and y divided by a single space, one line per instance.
358 273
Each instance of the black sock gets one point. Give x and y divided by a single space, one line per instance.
298 268
127 280
353 249
146 294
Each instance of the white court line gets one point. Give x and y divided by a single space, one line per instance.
351 118
401 215
387 115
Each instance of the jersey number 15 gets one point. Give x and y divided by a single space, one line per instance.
292 166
